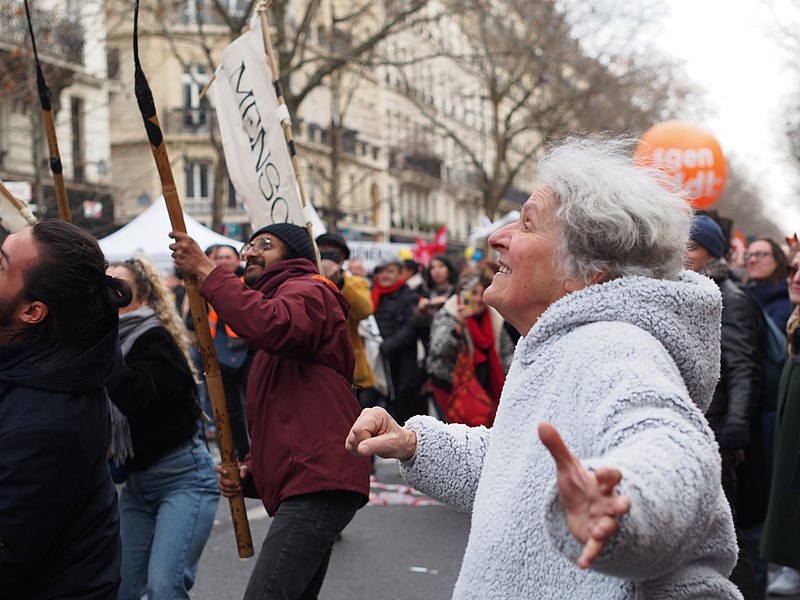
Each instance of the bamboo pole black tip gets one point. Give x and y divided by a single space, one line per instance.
44 91
144 95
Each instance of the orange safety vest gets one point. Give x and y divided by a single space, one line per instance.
212 324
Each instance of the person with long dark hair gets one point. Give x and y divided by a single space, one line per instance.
59 525
440 281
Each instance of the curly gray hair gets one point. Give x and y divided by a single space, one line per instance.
616 217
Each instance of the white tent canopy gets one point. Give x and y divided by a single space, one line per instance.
148 235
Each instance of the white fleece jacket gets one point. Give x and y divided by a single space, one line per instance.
624 370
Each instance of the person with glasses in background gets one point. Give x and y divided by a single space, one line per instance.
766 279
780 542
300 402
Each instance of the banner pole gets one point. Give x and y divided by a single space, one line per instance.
286 123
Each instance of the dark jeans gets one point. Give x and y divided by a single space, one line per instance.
295 554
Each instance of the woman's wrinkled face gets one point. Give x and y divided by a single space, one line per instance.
761 263
527 281
794 279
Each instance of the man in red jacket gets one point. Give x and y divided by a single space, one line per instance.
299 401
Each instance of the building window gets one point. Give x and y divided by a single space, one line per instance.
233 200
112 63
194 79
198 185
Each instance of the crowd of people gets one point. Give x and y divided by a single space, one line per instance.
608 370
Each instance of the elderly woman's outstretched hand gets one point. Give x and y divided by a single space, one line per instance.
376 432
593 507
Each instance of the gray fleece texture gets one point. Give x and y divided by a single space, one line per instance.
624 370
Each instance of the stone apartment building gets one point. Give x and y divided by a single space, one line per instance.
370 161
70 38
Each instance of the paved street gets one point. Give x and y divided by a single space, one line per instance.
413 552
394 550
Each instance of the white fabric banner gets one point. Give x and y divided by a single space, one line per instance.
256 153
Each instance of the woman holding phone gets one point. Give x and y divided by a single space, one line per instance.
466 317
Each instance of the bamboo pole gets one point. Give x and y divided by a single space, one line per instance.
60 189
144 97
286 123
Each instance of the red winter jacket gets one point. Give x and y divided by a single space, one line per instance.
300 404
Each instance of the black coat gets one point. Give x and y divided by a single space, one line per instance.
735 411
59 524
155 390
395 317
737 395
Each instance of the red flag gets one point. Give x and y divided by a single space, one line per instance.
440 240
424 251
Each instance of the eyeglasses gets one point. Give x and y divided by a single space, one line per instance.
258 246
791 271
756 255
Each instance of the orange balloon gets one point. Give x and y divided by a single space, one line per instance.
690 154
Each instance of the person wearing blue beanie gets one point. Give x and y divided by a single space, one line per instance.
707 232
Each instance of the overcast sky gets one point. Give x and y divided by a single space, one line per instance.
728 50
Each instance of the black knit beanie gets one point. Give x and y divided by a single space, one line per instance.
295 237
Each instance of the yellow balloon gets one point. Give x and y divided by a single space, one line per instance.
468 252
406 254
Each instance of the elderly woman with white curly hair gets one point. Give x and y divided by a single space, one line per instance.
619 358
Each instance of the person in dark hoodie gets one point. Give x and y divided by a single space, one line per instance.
299 402
59 524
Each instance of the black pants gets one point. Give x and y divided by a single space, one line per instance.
295 554
743 574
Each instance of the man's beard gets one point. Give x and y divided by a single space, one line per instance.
252 274
8 328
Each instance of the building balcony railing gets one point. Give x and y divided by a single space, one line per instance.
426 164
462 177
192 13
58 36
192 121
